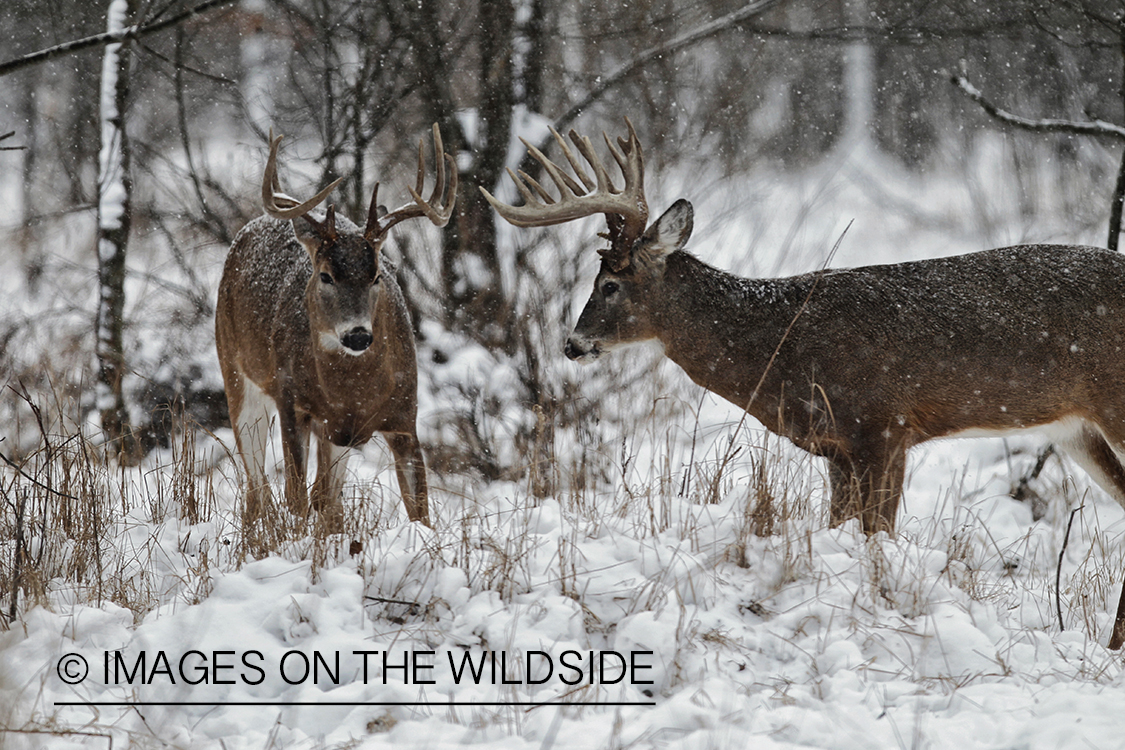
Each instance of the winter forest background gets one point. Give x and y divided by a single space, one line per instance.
612 506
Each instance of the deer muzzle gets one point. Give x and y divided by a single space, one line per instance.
357 340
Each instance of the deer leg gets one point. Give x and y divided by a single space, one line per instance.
250 416
845 502
295 429
882 489
868 486
411 470
331 469
1100 458
1091 450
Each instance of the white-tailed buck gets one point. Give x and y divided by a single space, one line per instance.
311 322
858 365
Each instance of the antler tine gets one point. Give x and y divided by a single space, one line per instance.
276 203
546 197
451 196
439 215
631 149
586 147
440 218
574 163
270 184
562 180
439 165
625 208
618 157
523 181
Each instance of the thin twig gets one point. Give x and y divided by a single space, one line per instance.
1047 125
1058 570
1023 487
32 479
9 134
18 555
109 37
705 31
381 600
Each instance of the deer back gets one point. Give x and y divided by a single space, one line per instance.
996 340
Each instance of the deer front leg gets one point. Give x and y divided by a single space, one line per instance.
845 503
331 470
410 467
295 429
868 486
250 417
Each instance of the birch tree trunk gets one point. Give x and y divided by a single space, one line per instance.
114 187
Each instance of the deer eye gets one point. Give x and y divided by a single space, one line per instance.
326 279
610 288
377 279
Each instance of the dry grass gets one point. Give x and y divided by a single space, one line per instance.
710 504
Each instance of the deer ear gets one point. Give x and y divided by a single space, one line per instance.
310 233
667 234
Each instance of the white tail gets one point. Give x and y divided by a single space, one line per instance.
857 366
311 321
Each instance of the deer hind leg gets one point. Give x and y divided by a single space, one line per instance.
1098 457
1101 457
331 470
250 415
295 430
867 485
410 467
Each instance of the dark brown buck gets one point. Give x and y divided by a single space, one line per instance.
311 323
858 365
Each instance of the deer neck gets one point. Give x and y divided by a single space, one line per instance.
723 330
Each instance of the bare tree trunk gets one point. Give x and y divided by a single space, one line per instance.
859 75
471 261
258 79
1118 201
470 266
28 220
114 189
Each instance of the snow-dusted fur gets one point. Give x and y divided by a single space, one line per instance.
320 327
859 365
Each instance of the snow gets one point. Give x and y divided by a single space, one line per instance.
810 637
944 636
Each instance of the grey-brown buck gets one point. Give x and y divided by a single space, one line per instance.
311 323
858 365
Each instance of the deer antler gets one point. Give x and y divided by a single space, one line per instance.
278 204
438 213
625 208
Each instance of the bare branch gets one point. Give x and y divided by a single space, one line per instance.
1047 125
129 32
9 134
707 30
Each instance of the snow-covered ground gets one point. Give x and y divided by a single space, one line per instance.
740 628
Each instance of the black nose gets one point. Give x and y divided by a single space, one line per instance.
357 339
572 351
